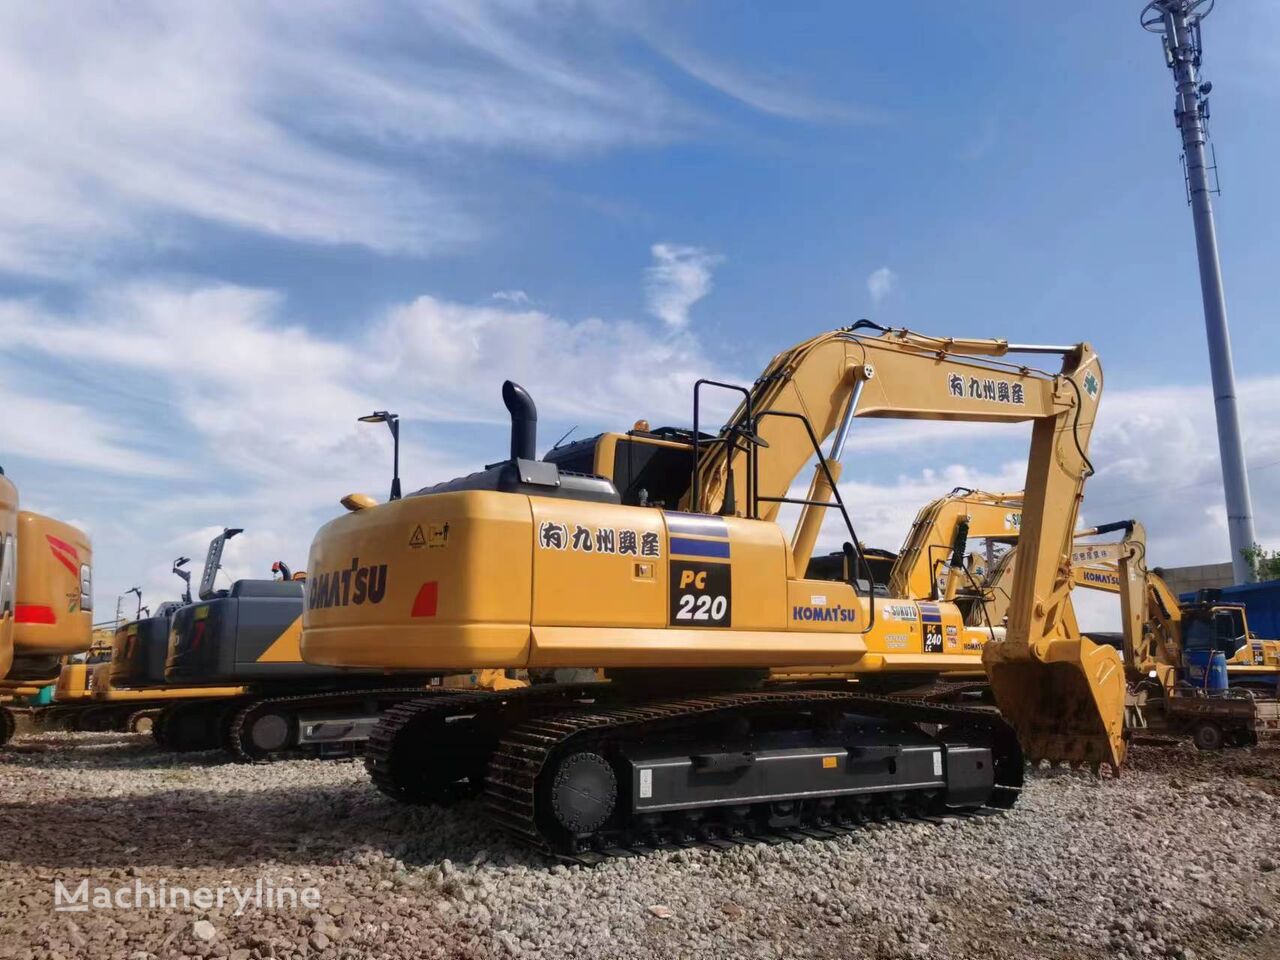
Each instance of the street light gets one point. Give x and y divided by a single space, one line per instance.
185 575
392 420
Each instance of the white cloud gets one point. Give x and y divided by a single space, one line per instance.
264 407
47 429
881 283
1156 451
766 94
679 278
449 359
319 123
517 297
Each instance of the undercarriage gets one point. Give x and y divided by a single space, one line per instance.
582 771
281 724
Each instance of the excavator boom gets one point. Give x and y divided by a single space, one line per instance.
1062 693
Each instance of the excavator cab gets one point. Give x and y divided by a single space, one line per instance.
648 468
1220 628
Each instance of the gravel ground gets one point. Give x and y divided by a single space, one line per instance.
1177 858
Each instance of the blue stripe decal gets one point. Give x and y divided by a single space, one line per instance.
697 525
929 613
700 548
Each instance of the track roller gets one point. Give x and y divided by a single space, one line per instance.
142 721
584 792
260 730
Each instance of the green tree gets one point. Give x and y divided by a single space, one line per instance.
1266 564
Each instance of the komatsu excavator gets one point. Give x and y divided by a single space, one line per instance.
942 526
656 555
247 637
933 565
1166 694
1093 566
1252 664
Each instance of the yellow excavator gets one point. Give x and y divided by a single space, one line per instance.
656 556
1159 638
932 565
8 600
8 568
52 589
1093 566
1252 663
129 692
943 527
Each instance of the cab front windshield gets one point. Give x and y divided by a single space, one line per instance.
1217 630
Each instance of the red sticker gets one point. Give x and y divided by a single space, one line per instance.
425 603
34 613
64 553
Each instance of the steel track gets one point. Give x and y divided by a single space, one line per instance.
412 756
236 740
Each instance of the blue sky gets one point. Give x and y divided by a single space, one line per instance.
231 228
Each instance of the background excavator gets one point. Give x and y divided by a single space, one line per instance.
1093 566
8 577
92 691
125 688
247 637
655 555
51 566
1178 656
933 565
66 705
1252 662
945 527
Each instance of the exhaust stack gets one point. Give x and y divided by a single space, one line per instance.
524 421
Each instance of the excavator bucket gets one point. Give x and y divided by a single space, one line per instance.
1065 704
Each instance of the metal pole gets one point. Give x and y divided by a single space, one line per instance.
395 469
1180 20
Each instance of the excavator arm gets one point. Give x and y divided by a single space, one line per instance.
1062 693
933 534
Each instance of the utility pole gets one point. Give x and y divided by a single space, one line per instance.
1179 23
